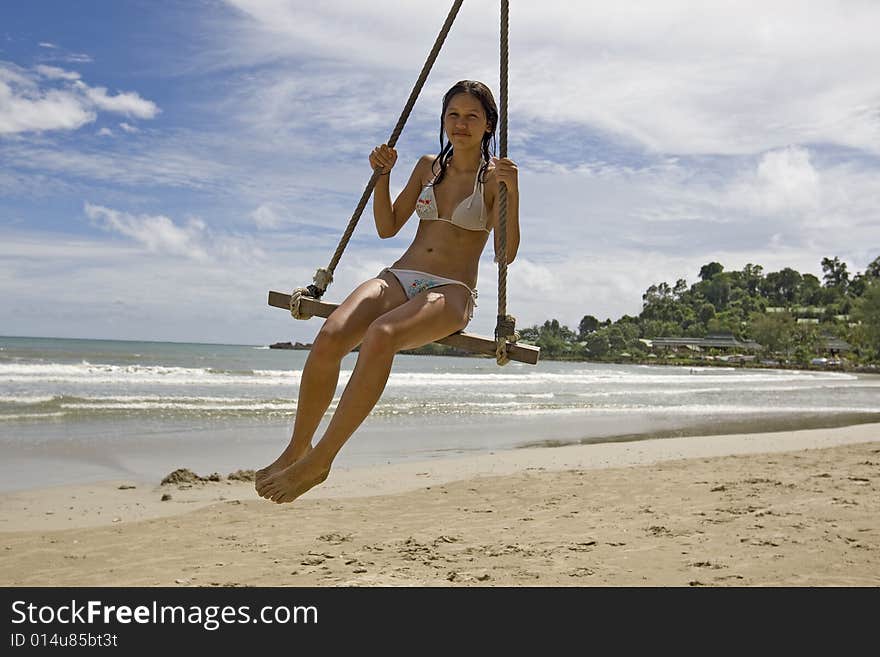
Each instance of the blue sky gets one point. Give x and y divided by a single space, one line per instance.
164 164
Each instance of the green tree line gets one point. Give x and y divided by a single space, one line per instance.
839 305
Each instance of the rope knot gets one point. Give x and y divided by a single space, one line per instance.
323 278
505 332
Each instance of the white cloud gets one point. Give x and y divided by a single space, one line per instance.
46 44
163 296
128 128
14 75
158 233
735 78
163 162
46 247
267 216
785 181
24 109
129 103
55 73
78 58
105 132
27 105
718 78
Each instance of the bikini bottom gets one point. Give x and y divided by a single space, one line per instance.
414 282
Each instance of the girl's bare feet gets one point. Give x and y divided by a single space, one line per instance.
294 480
288 457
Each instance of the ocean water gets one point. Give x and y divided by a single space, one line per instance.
83 410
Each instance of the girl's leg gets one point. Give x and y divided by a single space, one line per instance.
317 385
341 333
431 315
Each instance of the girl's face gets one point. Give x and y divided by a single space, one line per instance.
465 121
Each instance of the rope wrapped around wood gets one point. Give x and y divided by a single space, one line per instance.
295 297
505 331
323 278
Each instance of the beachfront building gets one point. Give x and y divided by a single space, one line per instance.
807 314
833 346
729 346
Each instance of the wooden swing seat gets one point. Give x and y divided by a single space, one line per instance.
524 353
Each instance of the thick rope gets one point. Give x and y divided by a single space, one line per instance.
505 328
324 276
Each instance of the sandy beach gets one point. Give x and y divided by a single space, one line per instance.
798 508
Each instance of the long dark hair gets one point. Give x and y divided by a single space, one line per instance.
482 93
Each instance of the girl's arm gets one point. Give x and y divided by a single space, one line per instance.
505 171
390 219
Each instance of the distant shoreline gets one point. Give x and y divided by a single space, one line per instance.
442 350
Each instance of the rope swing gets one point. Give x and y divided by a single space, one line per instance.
304 302
505 327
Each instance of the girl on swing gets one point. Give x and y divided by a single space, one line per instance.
429 293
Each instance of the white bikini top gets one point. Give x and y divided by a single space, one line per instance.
464 216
